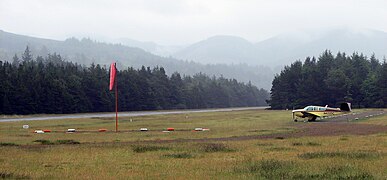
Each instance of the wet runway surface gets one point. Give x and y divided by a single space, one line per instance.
125 114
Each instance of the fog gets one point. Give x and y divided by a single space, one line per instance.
181 22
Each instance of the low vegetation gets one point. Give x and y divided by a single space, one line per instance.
215 147
7 144
179 155
7 175
278 169
48 142
306 144
89 154
146 148
348 155
269 169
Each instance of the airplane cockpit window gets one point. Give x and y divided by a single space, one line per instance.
309 108
322 109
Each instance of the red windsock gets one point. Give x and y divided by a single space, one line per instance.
113 70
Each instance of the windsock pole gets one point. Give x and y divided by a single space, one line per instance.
113 84
116 105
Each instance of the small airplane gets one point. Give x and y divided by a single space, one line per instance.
312 112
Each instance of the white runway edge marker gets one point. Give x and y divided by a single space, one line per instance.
39 132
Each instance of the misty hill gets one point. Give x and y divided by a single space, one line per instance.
285 48
87 51
83 51
220 49
152 47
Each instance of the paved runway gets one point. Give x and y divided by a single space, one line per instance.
125 114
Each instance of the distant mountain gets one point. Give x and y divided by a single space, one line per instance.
160 50
285 48
220 49
87 51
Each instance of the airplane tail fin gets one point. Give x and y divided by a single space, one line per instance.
345 107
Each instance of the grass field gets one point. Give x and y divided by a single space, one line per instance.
131 154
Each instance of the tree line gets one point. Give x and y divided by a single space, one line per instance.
330 80
52 85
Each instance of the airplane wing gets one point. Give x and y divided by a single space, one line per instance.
317 114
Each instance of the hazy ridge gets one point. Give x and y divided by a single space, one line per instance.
87 51
286 48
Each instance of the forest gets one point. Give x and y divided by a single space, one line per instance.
52 85
330 80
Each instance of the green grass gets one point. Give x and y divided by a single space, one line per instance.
131 154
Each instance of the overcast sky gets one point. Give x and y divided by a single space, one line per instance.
184 21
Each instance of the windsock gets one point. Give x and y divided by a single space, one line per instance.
113 71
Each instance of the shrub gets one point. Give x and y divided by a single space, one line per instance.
67 141
44 141
264 144
270 169
6 175
307 144
348 155
7 144
279 149
337 172
313 144
297 144
48 142
145 148
179 155
215 147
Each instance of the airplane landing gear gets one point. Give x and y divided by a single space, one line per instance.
312 119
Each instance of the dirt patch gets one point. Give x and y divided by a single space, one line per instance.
341 125
335 126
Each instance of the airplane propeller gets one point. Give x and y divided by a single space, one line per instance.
295 120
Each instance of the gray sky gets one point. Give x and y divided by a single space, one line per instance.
185 21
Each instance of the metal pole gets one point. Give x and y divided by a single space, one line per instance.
115 79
